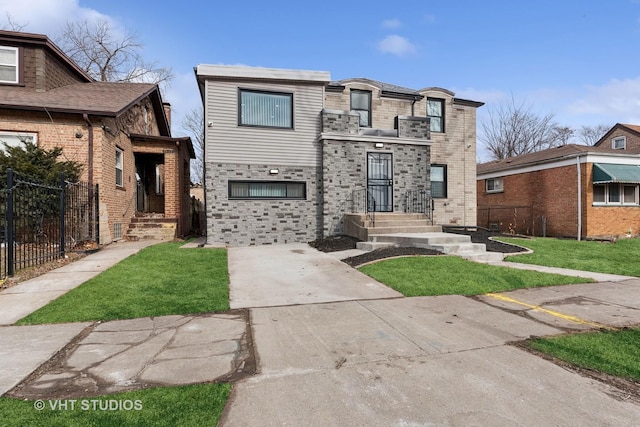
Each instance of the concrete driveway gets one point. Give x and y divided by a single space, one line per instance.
274 275
409 362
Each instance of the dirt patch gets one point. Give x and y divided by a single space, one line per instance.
343 243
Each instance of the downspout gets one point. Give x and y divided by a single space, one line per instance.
412 106
85 116
579 199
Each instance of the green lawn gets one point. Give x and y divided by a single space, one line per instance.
196 405
602 257
613 352
159 280
451 275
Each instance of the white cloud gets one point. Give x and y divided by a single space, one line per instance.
47 16
396 45
184 96
391 23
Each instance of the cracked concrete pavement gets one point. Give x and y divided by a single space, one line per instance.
123 355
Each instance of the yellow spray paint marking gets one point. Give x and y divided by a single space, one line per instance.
567 317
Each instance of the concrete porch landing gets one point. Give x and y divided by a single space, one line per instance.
448 243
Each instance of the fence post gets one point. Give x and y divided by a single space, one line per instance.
62 216
10 227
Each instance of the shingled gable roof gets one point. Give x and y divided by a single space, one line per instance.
541 157
109 99
14 38
635 129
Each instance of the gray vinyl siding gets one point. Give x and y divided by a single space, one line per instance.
229 143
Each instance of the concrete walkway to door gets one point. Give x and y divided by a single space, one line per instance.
292 274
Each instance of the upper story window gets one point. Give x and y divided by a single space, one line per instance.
619 143
13 139
266 109
435 111
361 104
438 181
9 65
494 185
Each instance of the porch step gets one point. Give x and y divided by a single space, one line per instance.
447 243
364 226
152 228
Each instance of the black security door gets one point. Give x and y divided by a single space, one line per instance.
380 181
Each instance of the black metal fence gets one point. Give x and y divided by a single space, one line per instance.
41 222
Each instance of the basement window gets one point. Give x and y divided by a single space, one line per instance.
267 190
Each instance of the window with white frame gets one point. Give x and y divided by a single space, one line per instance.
160 178
9 72
494 185
435 111
615 194
619 143
265 109
361 104
119 167
438 181
267 190
14 139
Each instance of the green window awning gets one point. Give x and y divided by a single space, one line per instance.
605 173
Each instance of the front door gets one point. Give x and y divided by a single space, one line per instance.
380 182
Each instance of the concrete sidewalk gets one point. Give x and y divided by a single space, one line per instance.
26 297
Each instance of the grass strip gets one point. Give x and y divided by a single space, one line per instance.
452 275
612 352
601 257
194 405
157 281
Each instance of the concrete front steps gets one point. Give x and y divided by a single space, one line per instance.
447 243
363 227
154 227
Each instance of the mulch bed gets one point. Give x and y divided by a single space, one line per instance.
343 243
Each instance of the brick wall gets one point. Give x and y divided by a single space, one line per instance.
345 170
258 222
553 194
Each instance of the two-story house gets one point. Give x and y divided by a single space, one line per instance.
119 132
289 152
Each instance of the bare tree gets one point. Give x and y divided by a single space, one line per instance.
193 124
12 25
589 135
108 56
562 134
513 129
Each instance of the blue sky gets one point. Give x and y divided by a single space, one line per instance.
576 59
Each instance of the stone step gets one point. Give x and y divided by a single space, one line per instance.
372 246
152 228
374 231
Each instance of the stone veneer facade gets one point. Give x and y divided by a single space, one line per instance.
259 222
344 162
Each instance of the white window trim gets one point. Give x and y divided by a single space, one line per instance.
618 138
606 202
16 64
13 135
121 168
495 180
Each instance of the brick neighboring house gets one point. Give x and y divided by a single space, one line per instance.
573 191
621 137
289 152
118 131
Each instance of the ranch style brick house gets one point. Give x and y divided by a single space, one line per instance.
120 132
289 152
577 191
